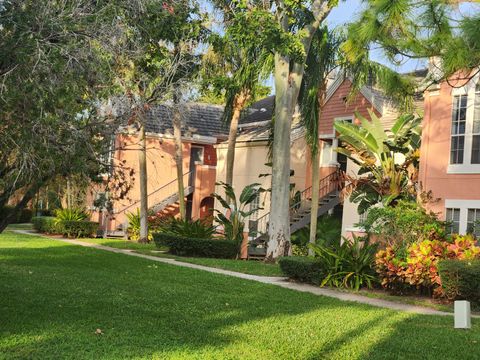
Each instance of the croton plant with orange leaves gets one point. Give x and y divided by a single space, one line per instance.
416 267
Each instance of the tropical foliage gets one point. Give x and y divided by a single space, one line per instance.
404 224
73 214
329 229
236 210
196 229
133 229
417 268
388 161
348 264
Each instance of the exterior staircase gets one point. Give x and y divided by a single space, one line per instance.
165 200
300 210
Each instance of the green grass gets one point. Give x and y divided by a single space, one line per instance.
26 226
53 297
247 267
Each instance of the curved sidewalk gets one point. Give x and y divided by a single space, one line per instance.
277 281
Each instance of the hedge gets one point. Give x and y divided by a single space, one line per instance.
302 268
214 248
461 279
24 216
78 228
45 224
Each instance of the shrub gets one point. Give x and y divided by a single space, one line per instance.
133 229
186 228
460 279
302 268
349 264
45 224
329 231
24 216
236 210
417 267
70 214
403 224
184 246
78 229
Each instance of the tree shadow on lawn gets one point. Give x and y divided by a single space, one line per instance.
52 300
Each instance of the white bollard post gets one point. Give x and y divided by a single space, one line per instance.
463 319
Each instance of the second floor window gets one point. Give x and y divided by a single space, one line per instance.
459 120
476 128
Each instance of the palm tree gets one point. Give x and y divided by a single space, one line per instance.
235 70
388 161
321 61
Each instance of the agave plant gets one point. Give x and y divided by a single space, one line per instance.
133 229
70 214
388 161
239 208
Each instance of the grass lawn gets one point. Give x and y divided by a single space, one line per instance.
53 297
247 267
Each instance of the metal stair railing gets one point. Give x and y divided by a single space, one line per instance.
164 191
330 184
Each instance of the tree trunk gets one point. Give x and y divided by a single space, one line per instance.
316 172
142 164
238 105
177 134
315 198
279 222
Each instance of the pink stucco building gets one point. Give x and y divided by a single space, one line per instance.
450 152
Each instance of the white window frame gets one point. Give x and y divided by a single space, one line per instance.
466 167
202 152
334 157
463 205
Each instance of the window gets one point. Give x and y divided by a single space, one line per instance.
476 128
459 120
255 205
473 222
453 219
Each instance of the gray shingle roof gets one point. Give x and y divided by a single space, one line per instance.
198 119
261 110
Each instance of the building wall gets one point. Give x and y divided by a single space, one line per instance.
340 106
250 160
161 170
446 183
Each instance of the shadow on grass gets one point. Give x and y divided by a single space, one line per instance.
53 297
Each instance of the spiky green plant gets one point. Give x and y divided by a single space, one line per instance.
239 209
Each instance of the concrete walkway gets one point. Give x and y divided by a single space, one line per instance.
277 281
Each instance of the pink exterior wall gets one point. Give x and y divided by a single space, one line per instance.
161 170
337 106
435 153
204 187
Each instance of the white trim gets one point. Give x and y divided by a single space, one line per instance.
463 169
355 229
200 139
344 118
463 205
326 136
202 154
252 124
466 167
